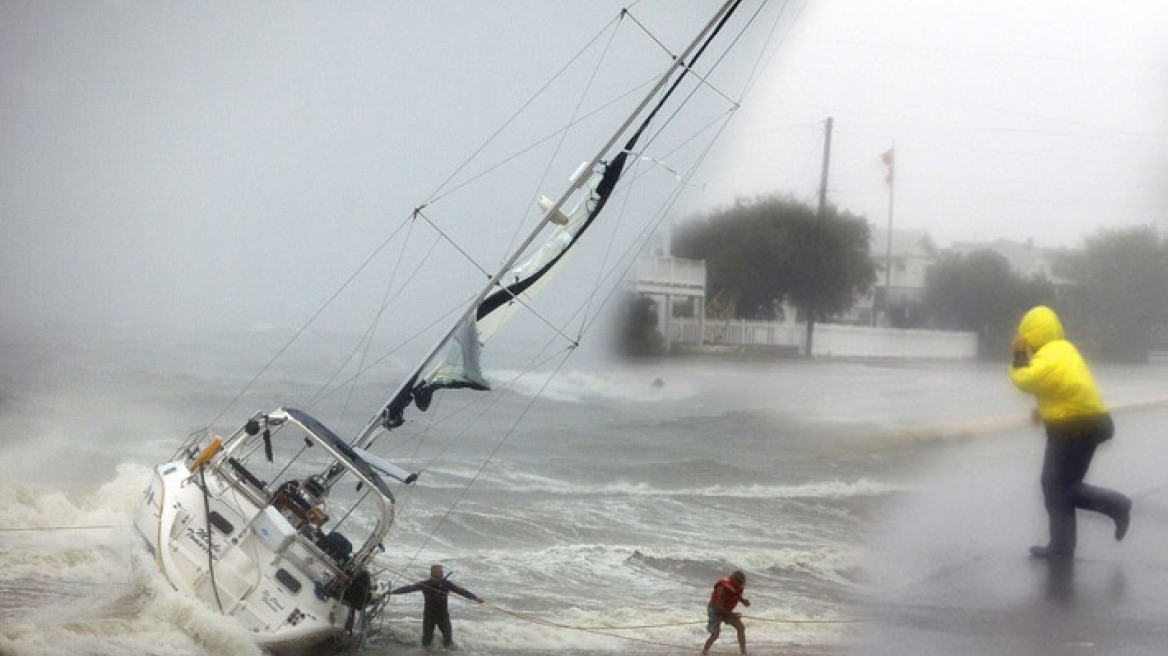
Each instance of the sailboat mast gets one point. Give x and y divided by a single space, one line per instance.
365 437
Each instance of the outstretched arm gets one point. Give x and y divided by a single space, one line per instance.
463 591
408 588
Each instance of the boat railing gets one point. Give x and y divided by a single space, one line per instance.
328 546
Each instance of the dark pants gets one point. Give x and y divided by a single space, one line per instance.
1069 449
440 619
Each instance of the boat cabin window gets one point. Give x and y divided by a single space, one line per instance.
291 583
220 522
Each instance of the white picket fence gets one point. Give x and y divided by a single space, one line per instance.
829 340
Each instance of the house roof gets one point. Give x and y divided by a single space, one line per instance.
1024 258
905 243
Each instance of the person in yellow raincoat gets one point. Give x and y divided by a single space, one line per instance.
1076 422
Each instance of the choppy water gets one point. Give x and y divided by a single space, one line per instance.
613 503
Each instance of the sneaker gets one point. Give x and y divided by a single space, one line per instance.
1123 519
1050 553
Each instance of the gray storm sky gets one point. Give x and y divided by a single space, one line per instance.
1042 119
172 163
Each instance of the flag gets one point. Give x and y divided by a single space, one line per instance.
889 158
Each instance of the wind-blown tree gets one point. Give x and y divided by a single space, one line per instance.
1119 301
979 292
761 253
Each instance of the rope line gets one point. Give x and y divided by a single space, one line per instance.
548 623
604 630
784 620
634 627
14 529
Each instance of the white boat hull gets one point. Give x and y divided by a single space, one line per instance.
263 574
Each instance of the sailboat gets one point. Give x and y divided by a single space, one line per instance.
258 525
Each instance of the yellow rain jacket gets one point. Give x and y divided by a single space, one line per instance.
1056 375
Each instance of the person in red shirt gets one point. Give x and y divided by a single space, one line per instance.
727 593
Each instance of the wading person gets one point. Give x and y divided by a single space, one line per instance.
435 591
727 593
1076 422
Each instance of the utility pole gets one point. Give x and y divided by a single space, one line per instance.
890 160
811 304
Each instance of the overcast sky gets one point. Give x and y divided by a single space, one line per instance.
155 157
1039 119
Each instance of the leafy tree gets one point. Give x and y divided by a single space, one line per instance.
761 253
979 292
1119 301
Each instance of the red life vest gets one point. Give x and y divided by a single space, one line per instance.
730 594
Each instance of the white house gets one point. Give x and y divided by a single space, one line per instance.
1026 260
670 281
900 277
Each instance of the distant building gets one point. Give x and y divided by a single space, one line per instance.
899 288
1025 259
676 285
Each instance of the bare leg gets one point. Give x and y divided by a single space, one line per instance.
737 624
709 643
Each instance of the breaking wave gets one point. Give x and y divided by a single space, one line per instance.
76 580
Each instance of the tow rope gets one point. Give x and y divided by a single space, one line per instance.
605 630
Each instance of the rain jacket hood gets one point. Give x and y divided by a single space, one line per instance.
1055 374
1040 326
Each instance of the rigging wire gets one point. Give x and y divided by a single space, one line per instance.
568 353
637 245
434 196
404 395
564 133
687 68
441 319
649 33
461 251
651 227
725 119
608 249
320 393
494 451
546 138
660 128
288 344
381 246
372 329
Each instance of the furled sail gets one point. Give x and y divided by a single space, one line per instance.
460 367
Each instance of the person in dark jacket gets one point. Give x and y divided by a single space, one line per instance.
1076 422
435 591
